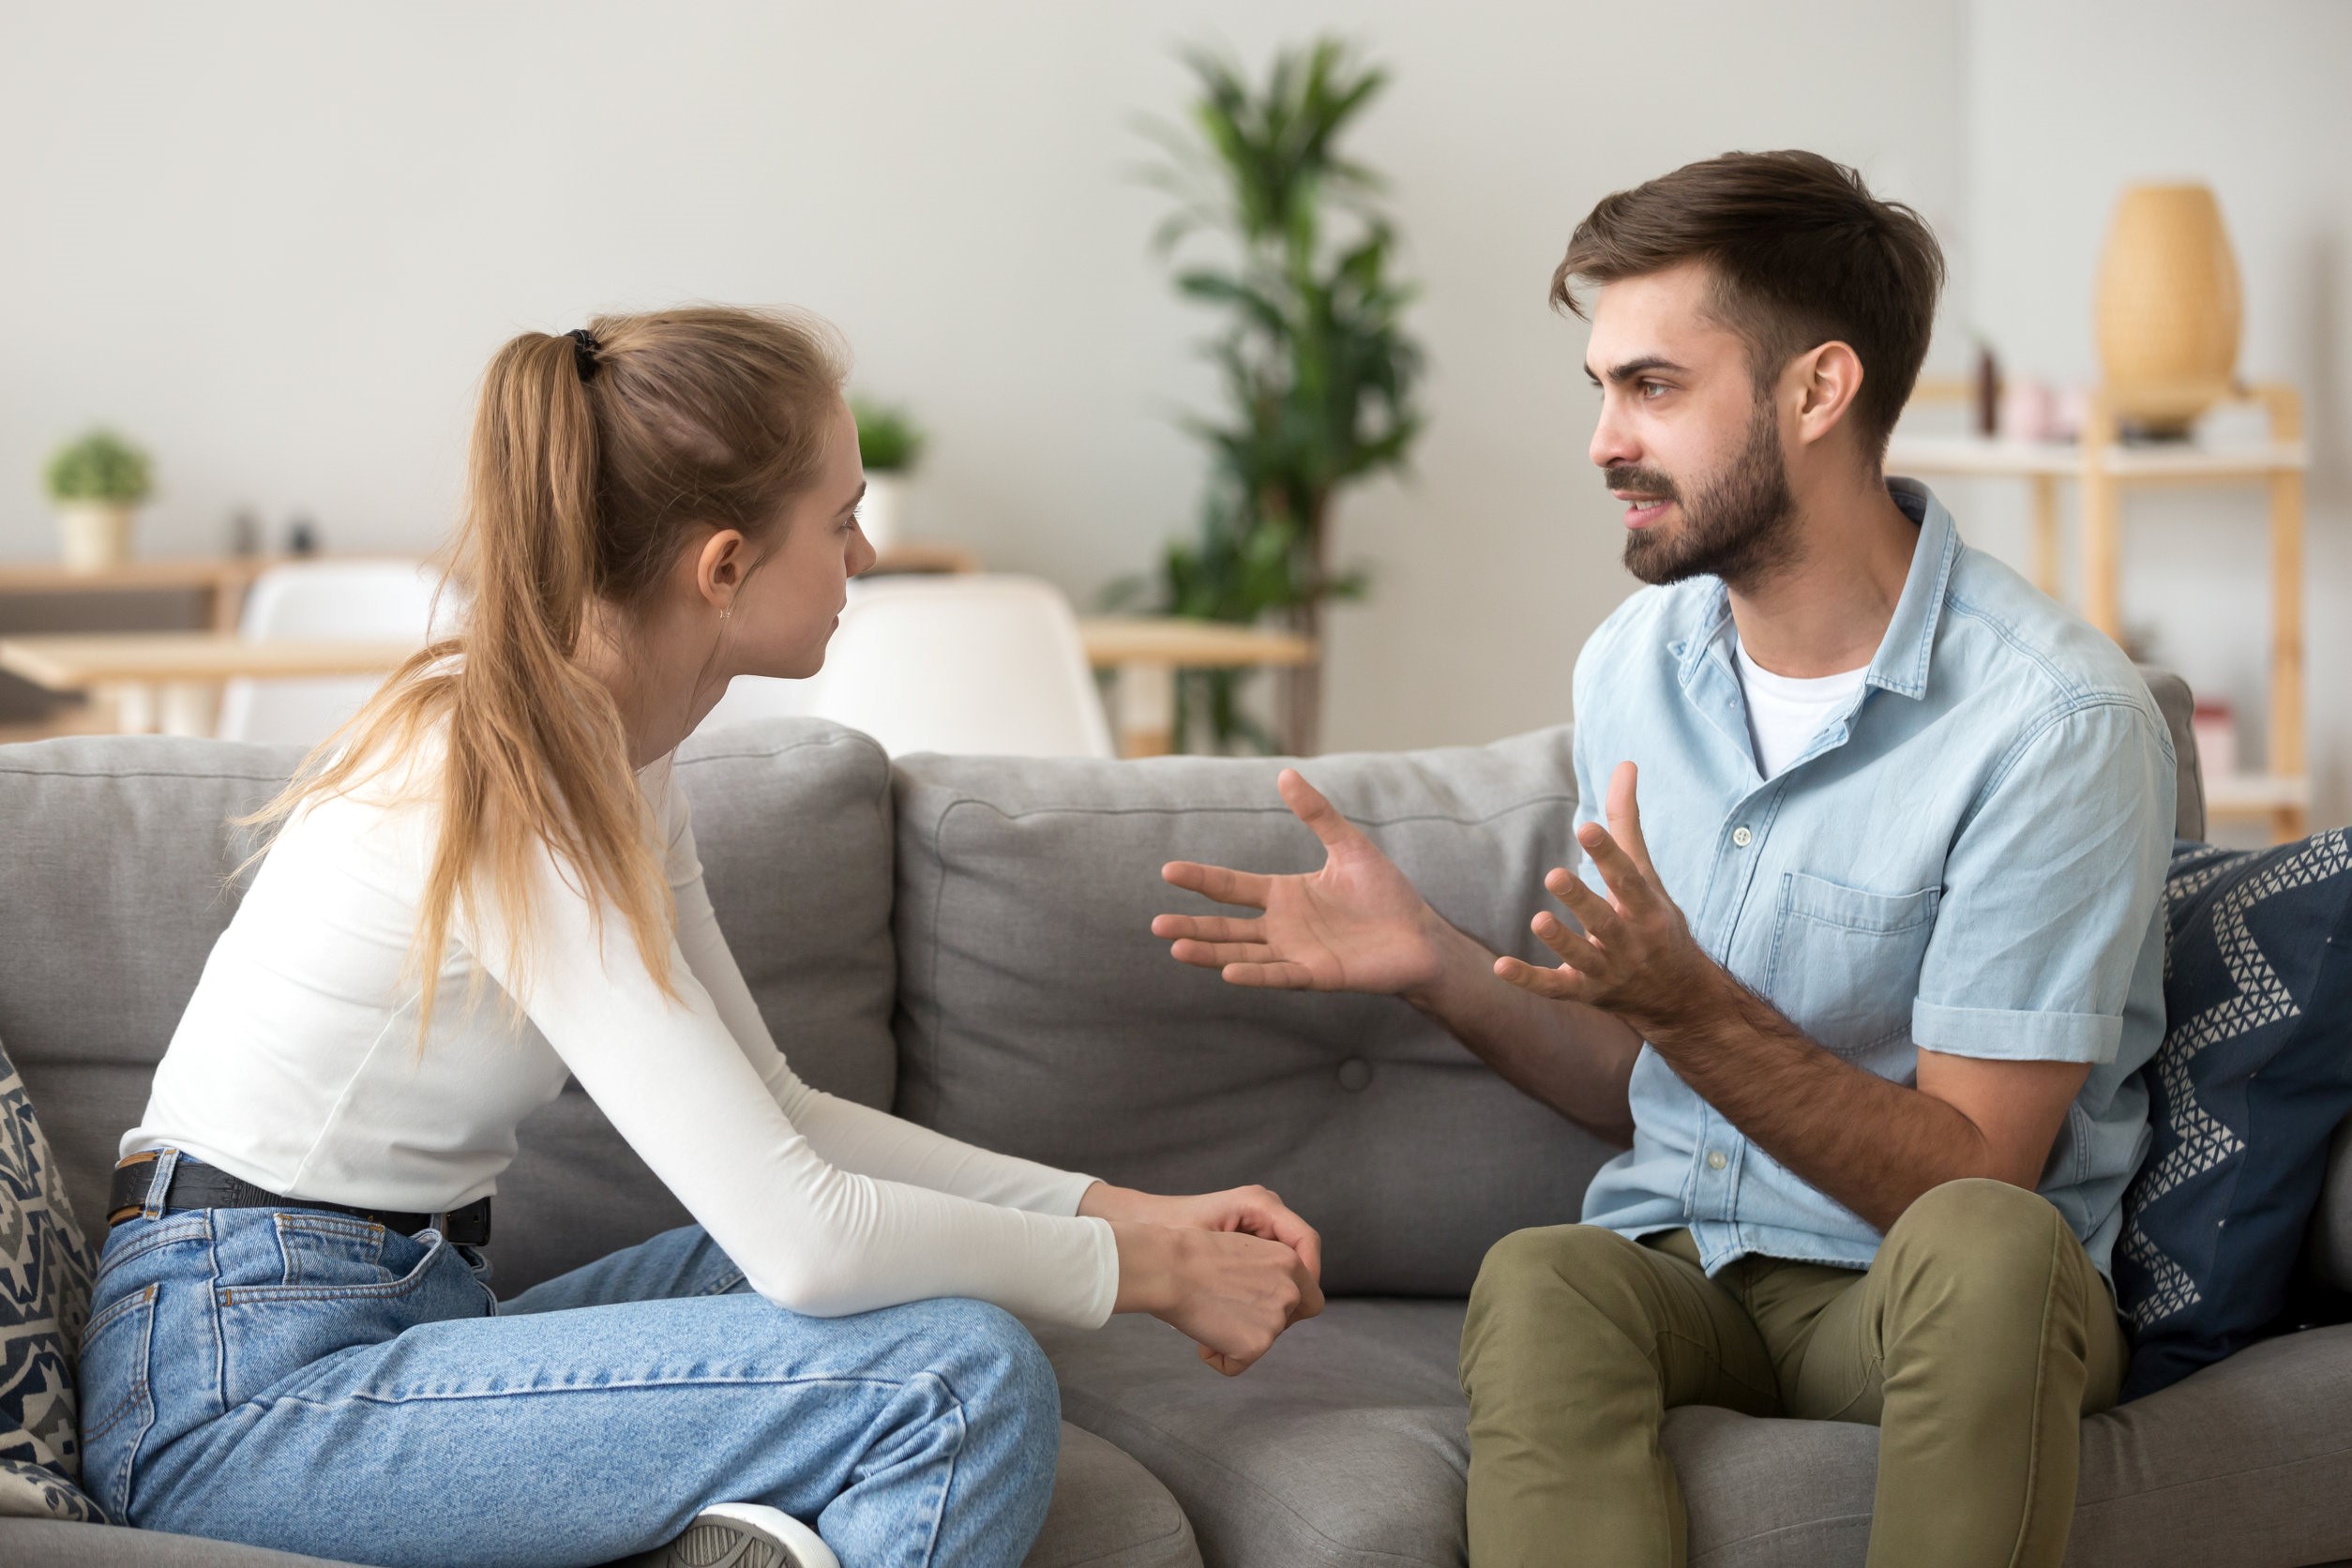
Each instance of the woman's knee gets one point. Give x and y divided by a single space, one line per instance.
993 1366
1010 1401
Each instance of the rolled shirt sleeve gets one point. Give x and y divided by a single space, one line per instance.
2051 891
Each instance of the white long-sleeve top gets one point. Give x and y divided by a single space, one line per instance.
297 1067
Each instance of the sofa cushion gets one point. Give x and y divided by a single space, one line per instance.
46 1265
2253 1075
119 846
1039 1014
1107 1512
1345 1447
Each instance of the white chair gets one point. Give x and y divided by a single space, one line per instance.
364 601
962 663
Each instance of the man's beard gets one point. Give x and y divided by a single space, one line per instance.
1740 528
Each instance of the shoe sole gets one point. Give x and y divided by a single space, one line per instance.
720 1544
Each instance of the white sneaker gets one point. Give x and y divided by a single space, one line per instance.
741 1535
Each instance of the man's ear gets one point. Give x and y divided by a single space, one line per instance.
1828 380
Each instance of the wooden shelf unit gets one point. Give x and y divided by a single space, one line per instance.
2103 468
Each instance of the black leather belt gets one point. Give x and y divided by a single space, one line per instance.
201 1186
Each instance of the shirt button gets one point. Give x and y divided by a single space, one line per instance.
1743 838
1716 1160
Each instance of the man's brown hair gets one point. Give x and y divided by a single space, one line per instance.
1801 254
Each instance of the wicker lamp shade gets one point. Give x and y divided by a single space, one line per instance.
2168 307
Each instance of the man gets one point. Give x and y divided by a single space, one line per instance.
1864 960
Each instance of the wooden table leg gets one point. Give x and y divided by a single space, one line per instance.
1143 698
189 708
133 705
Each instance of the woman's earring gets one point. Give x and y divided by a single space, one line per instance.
724 613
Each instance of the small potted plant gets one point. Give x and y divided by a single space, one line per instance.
888 444
98 483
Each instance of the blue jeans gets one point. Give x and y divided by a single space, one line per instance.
309 1381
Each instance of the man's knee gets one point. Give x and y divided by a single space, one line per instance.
1990 1248
1553 1282
1979 1225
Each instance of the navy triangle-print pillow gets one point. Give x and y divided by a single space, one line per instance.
2253 1075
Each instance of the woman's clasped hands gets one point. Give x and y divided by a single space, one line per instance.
1230 1269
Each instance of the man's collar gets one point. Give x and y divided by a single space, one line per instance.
1900 665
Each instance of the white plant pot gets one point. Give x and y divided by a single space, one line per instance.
883 514
95 534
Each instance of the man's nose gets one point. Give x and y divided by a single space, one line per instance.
1613 444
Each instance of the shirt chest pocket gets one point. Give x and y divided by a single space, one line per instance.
1846 962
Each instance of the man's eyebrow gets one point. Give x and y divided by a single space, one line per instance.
1632 368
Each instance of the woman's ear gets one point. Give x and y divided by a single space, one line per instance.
1831 378
721 567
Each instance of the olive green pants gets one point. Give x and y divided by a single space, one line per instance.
1979 1338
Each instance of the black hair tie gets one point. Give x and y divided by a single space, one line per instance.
585 346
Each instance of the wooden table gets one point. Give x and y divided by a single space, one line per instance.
223 580
167 680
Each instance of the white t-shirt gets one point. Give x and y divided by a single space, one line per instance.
1784 713
297 1067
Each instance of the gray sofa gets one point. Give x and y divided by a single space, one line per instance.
966 939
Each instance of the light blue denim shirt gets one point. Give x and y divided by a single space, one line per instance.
1968 858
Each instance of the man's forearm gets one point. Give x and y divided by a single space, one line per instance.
1577 1060
1874 1145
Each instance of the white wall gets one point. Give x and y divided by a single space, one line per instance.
276 243
2066 104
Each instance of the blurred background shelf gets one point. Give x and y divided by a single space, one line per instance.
2103 467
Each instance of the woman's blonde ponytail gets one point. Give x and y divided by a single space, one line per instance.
592 464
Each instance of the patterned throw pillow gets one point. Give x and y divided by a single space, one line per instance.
45 1272
2254 1073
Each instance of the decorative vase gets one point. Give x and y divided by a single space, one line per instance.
95 534
2167 308
883 514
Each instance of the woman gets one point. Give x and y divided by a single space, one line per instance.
293 1344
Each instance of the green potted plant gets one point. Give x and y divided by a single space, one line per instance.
1316 367
889 443
98 483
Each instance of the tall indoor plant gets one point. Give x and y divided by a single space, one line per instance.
1284 237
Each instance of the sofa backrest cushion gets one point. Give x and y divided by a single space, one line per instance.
2174 701
1038 1014
111 894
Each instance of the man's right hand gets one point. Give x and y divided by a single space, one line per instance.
1357 924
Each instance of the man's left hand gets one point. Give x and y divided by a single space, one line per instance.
1636 958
